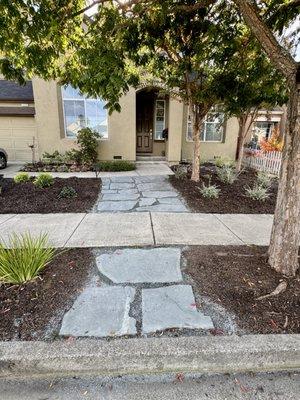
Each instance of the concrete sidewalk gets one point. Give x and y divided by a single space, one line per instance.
141 229
142 169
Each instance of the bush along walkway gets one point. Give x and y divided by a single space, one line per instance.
148 193
138 292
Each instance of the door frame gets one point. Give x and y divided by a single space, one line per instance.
151 95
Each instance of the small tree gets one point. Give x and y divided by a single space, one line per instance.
255 84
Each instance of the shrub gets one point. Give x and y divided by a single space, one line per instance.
67 192
274 143
56 157
22 177
224 162
180 172
258 193
73 156
114 166
227 174
24 258
209 191
87 139
44 180
264 179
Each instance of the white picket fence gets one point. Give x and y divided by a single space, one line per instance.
269 161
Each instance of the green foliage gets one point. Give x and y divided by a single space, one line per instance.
56 157
209 191
44 180
87 139
180 172
257 192
114 166
264 179
224 162
67 192
24 258
22 177
227 174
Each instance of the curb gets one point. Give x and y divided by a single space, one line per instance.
219 354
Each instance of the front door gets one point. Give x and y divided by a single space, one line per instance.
144 122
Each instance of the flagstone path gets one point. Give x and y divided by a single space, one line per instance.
141 291
138 194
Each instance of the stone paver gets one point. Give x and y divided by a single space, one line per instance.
171 307
141 265
111 229
100 312
191 229
129 194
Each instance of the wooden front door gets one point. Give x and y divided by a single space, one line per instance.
144 122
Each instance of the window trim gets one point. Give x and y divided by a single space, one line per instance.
84 99
206 141
155 109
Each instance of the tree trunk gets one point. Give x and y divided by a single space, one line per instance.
241 142
285 237
196 139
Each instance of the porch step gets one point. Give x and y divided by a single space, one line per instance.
150 158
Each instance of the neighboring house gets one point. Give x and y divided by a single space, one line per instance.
51 116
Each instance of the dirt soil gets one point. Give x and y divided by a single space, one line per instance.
30 311
231 200
18 198
235 276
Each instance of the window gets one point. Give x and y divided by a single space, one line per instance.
211 129
264 128
160 111
81 112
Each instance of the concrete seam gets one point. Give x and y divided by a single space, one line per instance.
3 222
152 228
72 234
215 215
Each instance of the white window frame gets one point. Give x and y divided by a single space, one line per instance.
84 99
189 121
155 116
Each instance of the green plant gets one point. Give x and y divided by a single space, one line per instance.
87 139
264 179
23 258
44 180
180 172
114 166
21 177
56 157
224 162
257 192
227 174
209 191
73 156
67 192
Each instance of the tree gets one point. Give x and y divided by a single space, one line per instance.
255 84
285 236
187 52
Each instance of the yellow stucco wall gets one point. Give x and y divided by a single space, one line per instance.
211 150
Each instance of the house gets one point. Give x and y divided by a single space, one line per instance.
48 116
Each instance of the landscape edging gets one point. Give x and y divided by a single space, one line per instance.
218 354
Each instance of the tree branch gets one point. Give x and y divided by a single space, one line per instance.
281 58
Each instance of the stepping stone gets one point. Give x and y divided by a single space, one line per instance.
164 208
170 200
123 179
120 196
147 202
122 185
154 186
108 191
159 194
100 312
141 265
114 206
171 307
128 191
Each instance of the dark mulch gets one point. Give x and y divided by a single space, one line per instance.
232 199
234 276
18 198
26 311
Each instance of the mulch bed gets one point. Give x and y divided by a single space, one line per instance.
235 276
27 311
231 200
18 198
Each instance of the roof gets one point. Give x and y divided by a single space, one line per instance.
12 91
17 111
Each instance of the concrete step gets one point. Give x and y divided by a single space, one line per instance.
144 157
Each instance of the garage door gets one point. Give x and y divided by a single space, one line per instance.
16 135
